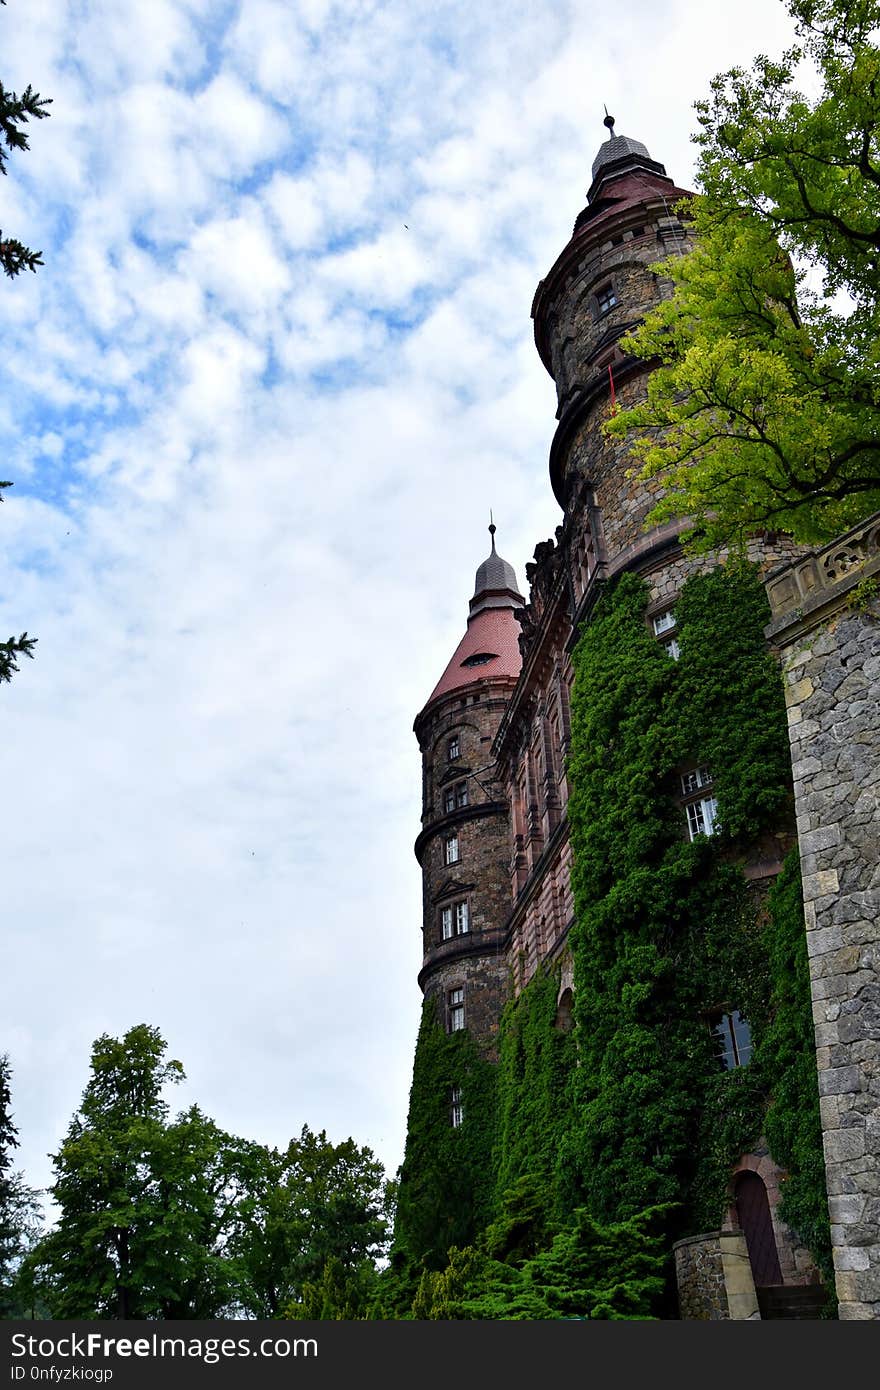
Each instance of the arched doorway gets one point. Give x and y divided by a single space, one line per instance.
753 1212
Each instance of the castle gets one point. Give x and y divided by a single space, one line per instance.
498 842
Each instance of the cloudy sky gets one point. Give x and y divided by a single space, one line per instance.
257 404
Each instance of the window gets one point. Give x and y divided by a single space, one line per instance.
456 1109
605 299
455 920
701 810
452 849
672 649
480 658
455 1007
456 797
663 622
733 1039
453 748
693 781
702 816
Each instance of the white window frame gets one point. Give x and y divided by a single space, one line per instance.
695 779
462 918
456 1107
663 622
446 924
455 1005
672 649
702 816
452 854
453 748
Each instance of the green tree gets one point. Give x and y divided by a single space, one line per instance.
764 411
315 1217
15 113
19 1204
141 1200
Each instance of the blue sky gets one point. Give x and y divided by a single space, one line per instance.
257 404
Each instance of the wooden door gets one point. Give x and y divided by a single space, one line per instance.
753 1211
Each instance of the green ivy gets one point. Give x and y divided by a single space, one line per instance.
534 1077
666 929
786 1056
446 1180
631 1111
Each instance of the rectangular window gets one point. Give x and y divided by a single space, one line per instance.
605 299
452 849
672 649
693 781
456 1109
461 794
449 800
733 1038
456 1010
453 748
663 622
462 919
446 923
702 816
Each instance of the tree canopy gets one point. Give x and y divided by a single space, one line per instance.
162 1218
764 411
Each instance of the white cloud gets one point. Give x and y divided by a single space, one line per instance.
275 371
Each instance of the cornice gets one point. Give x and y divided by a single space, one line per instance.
478 943
454 818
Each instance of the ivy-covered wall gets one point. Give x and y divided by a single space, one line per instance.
632 1109
446 1180
669 930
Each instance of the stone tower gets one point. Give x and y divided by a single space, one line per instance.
463 846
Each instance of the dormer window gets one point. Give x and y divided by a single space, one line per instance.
480 658
605 299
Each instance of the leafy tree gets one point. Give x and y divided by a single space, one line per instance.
164 1218
764 411
19 1206
143 1202
314 1219
15 112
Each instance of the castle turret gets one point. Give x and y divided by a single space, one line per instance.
599 288
463 847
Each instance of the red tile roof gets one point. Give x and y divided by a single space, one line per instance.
492 630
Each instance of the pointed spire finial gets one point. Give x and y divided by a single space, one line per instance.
492 529
609 122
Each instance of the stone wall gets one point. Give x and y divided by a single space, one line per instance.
827 622
715 1278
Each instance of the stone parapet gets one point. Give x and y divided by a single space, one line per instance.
714 1278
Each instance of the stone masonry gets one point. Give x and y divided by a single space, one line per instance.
827 623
